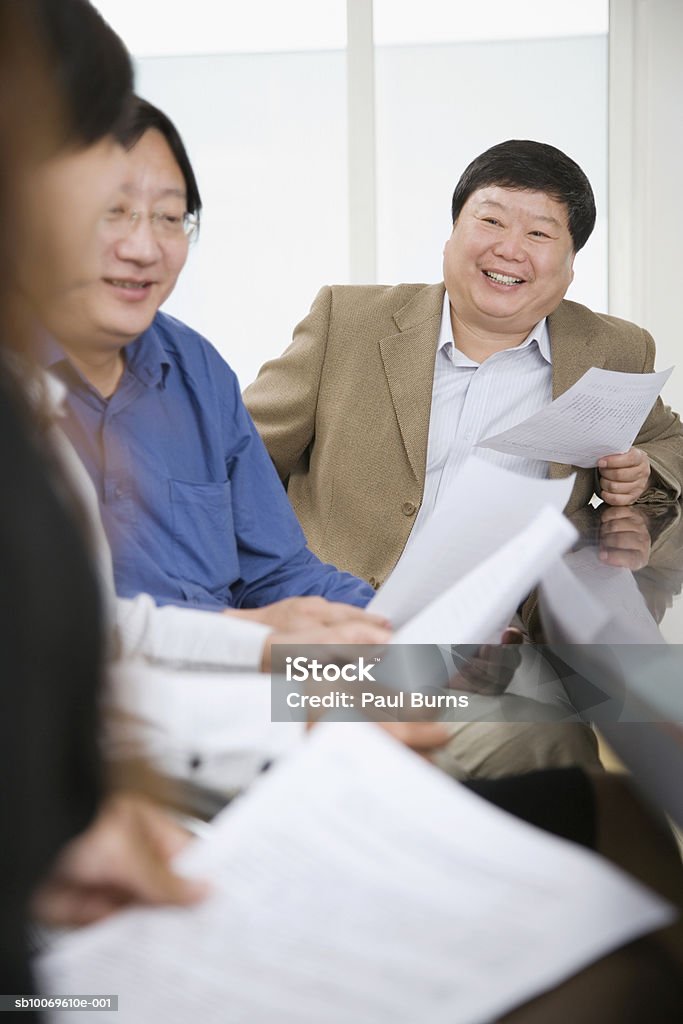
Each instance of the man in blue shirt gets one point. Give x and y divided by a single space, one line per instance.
192 505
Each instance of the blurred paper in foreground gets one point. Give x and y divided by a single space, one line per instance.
355 882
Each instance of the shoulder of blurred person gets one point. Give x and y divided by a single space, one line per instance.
65 78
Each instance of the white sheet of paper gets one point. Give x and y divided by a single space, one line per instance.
357 883
599 415
478 607
467 529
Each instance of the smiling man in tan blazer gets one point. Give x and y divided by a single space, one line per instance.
350 411
385 390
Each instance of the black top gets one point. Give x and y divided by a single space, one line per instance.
50 664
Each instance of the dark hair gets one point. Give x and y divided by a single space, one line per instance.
144 117
522 164
66 79
90 66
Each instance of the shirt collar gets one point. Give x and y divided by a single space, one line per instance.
538 334
145 357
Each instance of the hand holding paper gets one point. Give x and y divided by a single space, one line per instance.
623 478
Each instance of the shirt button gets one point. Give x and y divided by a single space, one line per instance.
118 492
408 508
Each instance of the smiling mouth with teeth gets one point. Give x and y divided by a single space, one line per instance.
503 278
128 284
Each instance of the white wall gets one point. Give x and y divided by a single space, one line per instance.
267 133
267 137
270 153
440 106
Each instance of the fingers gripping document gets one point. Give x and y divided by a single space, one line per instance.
599 415
355 882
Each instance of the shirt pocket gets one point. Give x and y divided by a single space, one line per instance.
204 535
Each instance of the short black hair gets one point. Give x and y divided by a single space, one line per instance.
143 117
522 164
91 66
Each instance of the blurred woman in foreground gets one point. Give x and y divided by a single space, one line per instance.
65 81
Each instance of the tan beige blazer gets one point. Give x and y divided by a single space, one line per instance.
344 413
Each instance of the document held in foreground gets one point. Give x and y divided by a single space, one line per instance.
463 533
599 415
355 882
478 607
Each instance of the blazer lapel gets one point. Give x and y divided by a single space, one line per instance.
408 359
575 348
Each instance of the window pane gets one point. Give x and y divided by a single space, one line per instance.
153 28
399 22
267 139
440 106
266 133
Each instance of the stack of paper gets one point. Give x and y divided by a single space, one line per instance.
357 883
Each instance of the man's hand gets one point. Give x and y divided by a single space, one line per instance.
295 614
122 858
491 669
423 737
359 630
624 537
623 478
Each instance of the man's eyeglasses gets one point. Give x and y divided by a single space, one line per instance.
165 224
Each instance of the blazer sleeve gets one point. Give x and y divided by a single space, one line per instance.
661 438
284 397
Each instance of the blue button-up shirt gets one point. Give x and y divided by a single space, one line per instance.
193 508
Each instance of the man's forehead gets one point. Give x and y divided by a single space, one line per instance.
134 189
539 205
151 169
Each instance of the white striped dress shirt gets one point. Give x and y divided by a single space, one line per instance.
471 401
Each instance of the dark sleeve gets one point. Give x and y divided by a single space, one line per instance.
49 675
